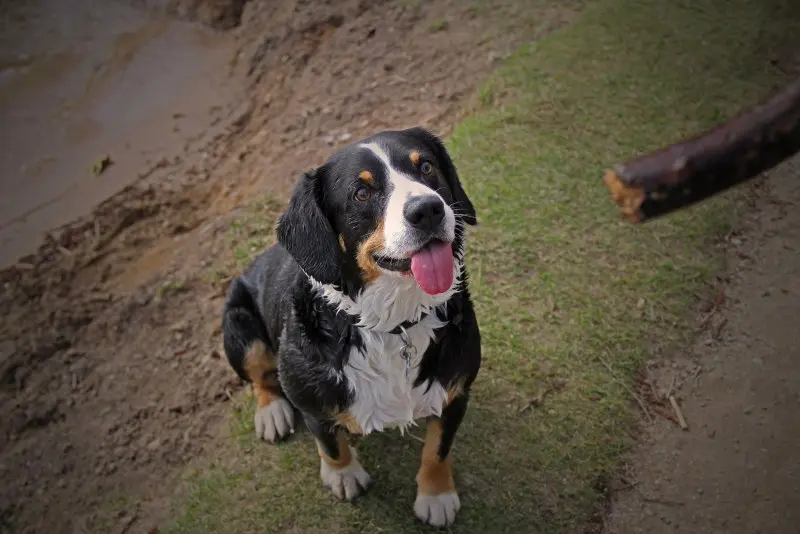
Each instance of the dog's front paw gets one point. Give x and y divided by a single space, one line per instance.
437 510
275 420
346 483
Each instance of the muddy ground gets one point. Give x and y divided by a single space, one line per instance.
111 379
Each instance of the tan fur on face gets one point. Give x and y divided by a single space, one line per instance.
365 260
341 243
366 176
415 158
345 457
435 475
260 366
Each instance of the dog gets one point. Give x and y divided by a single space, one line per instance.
360 316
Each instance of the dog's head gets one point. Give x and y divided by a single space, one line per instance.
390 205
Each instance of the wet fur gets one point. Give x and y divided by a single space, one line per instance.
310 301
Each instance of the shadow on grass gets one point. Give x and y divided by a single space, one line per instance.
566 292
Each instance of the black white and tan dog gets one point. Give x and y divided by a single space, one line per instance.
360 316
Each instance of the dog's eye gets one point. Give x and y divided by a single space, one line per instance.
363 194
426 168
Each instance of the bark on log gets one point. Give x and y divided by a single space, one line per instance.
685 173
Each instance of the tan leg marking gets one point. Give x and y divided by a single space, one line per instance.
260 366
437 501
435 475
346 420
455 389
345 455
274 417
344 476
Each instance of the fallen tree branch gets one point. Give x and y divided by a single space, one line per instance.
688 172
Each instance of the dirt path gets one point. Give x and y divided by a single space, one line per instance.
737 469
111 380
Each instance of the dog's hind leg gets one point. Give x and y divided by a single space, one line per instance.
245 341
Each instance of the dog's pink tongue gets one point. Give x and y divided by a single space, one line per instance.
432 268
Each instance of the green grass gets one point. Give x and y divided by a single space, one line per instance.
566 292
438 25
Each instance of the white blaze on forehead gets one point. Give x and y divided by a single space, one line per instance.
401 187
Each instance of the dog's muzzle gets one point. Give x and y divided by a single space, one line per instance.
424 213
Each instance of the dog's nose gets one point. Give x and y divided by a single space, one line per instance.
424 212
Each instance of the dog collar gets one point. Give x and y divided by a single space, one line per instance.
405 325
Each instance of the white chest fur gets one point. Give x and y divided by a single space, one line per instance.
383 391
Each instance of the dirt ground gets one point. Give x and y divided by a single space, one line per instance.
737 467
111 379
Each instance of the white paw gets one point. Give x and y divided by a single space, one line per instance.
275 420
348 482
437 510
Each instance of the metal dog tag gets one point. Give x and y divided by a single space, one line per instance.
408 348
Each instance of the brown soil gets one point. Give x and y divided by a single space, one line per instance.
111 378
737 467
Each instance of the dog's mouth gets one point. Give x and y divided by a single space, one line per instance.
431 266
394 264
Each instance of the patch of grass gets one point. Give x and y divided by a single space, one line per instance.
438 25
168 288
248 235
254 231
566 292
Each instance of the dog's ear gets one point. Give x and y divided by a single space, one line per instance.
463 203
306 232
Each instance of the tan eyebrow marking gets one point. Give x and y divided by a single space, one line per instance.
367 177
415 157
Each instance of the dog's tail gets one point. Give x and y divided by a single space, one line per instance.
242 326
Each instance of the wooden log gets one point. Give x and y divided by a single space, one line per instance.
688 172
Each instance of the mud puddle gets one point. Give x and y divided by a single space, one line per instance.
88 87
